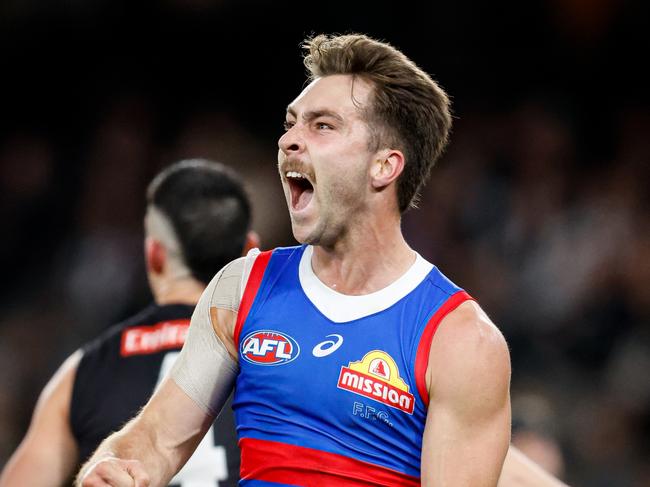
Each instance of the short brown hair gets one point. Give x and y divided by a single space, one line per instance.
408 110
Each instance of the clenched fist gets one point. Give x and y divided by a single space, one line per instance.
114 472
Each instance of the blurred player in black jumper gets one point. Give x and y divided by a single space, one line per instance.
197 220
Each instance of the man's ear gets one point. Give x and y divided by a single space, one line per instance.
155 255
252 242
386 168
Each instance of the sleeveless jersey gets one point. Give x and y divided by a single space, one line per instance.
322 402
117 375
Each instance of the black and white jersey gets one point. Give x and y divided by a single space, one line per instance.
118 373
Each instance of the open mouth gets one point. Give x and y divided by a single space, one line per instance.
301 190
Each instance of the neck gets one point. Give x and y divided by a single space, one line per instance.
370 257
186 290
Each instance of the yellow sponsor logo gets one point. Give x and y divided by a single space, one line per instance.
376 376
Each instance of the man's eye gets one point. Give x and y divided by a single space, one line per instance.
323 126
287 125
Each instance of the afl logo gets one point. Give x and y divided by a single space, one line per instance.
268 347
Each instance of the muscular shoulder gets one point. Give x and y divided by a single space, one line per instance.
220 301
468 355
226 288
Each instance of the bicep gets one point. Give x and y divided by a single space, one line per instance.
206 368
48 453
184 406
467 432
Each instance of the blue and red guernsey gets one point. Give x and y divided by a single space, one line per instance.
331 389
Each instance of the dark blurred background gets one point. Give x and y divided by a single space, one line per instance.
539 207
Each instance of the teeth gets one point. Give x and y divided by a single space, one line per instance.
294 174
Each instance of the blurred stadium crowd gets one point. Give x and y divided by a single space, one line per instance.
539 207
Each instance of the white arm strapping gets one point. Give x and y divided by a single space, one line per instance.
204 370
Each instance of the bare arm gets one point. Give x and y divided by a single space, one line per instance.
48 453
521 471
467 433
153 446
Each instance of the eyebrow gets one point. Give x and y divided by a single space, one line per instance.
313 114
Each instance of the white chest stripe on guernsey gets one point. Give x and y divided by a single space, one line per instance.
327 347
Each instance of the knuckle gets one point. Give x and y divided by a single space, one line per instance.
101 468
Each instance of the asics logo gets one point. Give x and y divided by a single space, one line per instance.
328 346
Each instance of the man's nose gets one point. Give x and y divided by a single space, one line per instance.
291 141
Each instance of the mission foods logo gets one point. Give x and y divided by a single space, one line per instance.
268 347
376 376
